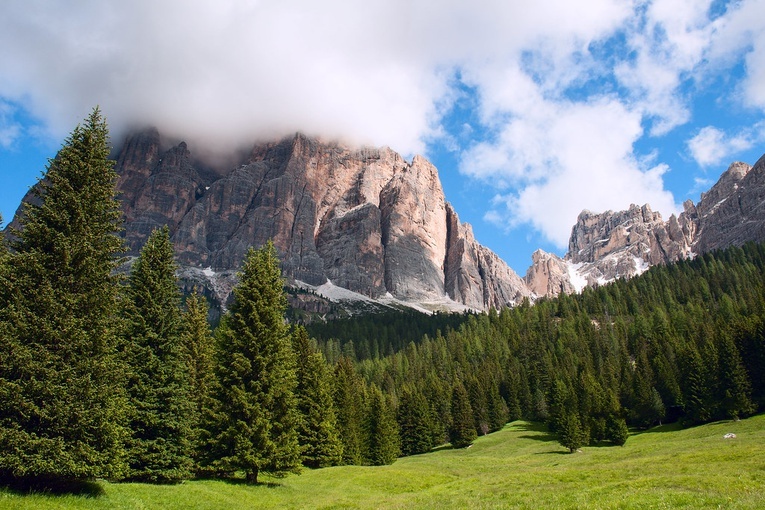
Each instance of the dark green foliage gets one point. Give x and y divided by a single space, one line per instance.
462 431
254 417
318 437
349 404
199 352
571 434
382 440
61 404
616 430
415 423
681 342
162 412
373 336
734 387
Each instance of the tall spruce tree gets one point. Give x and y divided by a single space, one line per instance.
320 444
349 403
415 423
734 388
159 449
571 434
199 351
382 439
255 418
61 403
462 431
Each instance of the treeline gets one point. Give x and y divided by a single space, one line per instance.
376 335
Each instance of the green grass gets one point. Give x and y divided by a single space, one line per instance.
519 467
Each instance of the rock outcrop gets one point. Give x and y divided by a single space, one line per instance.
365 220
620 244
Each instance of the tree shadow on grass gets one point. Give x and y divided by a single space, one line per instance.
244 482
540 432
52 486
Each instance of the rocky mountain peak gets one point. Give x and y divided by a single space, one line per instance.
621 244
363 219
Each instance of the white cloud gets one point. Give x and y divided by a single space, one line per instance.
742 32
10 129
383 72
575 156
712 146
668 41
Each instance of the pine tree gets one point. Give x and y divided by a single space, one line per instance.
698 394
158 385
61 403
255 415
616 430
382 438
734 388
199 351
349 403
318 437
571 434
415 423
462 431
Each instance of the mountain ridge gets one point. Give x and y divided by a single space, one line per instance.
623 244
368 221
363 219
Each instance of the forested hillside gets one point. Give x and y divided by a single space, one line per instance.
681 342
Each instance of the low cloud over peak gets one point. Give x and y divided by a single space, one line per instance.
562 92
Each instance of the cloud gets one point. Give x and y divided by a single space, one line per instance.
10 129
229 71
575 156
712 146
737 36
563 90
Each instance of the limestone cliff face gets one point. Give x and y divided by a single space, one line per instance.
469 267
620 244
548 275
364 219
733 211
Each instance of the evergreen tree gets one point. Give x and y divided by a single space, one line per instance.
255 415
382 438
616 430
61 403
199 350
349 403
415 423
698 395
734 387
571 434
159 449
318 437
462 431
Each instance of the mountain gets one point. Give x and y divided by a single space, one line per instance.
365 226
611 245
363 220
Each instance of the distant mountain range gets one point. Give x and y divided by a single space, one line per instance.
365 225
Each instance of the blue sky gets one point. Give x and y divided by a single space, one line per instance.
532 111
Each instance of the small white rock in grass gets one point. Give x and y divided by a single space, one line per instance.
729 435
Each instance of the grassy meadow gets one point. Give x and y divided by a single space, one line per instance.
521 466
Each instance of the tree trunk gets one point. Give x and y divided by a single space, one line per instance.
252 476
